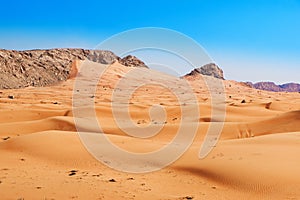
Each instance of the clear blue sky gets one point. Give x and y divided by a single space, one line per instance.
250 39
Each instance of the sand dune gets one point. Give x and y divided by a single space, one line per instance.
42 156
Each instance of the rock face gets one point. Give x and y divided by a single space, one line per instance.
210 69
132 61
20 69
270 86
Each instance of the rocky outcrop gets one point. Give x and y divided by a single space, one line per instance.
210 69
270 86
20 69
132 61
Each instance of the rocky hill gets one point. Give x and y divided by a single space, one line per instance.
210 69
20 69
132 61
270 86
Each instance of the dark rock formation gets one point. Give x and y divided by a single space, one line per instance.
20 69
210 69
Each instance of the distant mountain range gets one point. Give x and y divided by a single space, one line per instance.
270 86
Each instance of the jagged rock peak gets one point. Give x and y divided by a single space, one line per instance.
132 61
210 69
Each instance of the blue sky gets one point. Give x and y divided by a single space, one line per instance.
251 40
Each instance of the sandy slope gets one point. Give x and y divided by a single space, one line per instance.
256 158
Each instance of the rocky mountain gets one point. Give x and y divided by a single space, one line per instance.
210 69
270 86
20 69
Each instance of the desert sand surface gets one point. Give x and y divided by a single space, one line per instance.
42 156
